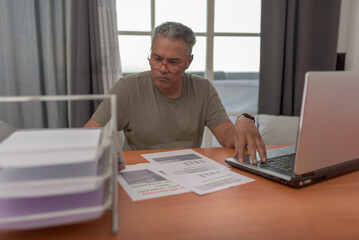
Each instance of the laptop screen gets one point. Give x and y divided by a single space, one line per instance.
328 127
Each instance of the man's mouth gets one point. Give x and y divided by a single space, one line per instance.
162 78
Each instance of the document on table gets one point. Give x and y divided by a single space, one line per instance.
194 171
141 182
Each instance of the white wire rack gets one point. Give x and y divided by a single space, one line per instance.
70 189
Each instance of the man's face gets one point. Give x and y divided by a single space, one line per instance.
168 51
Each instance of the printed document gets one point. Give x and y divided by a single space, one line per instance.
196 172
140 181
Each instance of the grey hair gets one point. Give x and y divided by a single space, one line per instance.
176 31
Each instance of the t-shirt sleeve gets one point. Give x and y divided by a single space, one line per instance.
103 113
216 113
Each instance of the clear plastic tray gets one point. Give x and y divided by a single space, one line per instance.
59 185
29 213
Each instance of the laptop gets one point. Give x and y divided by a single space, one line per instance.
327 143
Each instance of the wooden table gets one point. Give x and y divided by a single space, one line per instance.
258 210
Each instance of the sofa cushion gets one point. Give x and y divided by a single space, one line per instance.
278 130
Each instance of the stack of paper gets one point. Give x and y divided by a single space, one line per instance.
46 173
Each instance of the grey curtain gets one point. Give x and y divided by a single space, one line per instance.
33 53
296 36
81 66
60 47
95 55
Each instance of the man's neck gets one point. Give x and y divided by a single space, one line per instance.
174 92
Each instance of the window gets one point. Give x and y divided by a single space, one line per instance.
227 49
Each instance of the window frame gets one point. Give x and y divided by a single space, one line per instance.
210 34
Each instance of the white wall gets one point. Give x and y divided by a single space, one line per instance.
348 40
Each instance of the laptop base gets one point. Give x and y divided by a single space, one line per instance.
297 181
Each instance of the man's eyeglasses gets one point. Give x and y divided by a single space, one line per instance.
157 64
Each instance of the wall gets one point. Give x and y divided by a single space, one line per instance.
348 40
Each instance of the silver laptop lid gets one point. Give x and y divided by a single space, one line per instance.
329 121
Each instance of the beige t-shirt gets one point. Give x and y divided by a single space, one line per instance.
151 120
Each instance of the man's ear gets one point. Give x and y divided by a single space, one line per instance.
189 61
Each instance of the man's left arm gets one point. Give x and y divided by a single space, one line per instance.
244 133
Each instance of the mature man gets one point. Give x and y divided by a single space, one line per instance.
168 108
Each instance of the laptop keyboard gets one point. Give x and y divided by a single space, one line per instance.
284 163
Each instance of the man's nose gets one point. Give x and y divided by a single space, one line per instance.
163 67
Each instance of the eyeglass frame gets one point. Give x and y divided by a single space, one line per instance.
165 64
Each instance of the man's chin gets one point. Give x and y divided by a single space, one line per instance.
163 83
163 86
